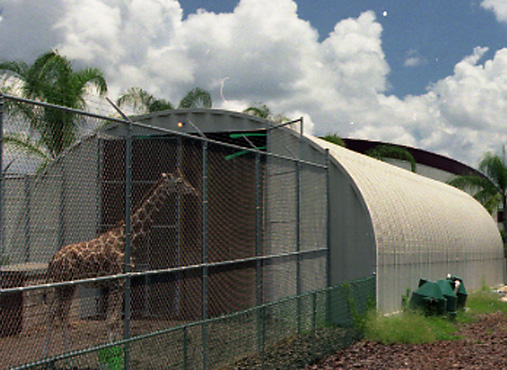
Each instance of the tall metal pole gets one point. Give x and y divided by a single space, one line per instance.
177 283
258 252
258 218
128 228
298 224
27 181
128 237
328 240
204 252
328 221
1 174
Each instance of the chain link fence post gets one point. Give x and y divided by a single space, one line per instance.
1 174
204 253
128 237
314 324
328 237
185 348
298 224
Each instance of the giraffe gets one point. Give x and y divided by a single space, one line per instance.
104 256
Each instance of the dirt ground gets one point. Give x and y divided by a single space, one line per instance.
482 346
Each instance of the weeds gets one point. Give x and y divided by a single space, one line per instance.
411 327
408 328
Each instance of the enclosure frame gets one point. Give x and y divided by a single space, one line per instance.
259 260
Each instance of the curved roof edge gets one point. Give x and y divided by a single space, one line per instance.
179 111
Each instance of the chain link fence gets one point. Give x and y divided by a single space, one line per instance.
219 233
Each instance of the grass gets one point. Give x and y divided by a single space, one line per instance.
415 328
408 328
485 301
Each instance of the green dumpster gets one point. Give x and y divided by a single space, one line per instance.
429 298
450 297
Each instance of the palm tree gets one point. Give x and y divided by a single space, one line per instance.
50 79
196 98
262 110
490 190
258 110
141 100
384 151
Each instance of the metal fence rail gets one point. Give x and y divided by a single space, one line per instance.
287 334
134 244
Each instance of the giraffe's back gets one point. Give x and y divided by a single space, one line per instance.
84 260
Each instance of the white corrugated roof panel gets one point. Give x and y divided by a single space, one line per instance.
423 228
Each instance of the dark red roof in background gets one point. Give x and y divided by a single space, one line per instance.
421 156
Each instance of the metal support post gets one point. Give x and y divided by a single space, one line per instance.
128 229
1 174
258 231
258 246
204 252
298 226
328 220
314 326
262 336
128 237
185 349
28 192
179 276
328 240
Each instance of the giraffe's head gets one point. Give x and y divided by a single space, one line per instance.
179 184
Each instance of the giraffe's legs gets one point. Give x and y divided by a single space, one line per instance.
50 322
114 313
59 307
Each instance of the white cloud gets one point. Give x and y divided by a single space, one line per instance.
413 59
475 95
265 53
499 7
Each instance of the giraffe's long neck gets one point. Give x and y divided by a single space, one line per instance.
142 217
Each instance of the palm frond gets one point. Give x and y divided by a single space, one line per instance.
496 169
12 69
136 97
23 143
390 151
258 110
196 98
482 188
52 79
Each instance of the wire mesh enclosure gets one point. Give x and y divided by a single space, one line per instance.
108 238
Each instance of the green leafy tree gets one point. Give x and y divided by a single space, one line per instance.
489 190
50 79
143 101
384 151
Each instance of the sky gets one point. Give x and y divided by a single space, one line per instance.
429 74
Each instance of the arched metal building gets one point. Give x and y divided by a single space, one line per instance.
380 219
403 226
